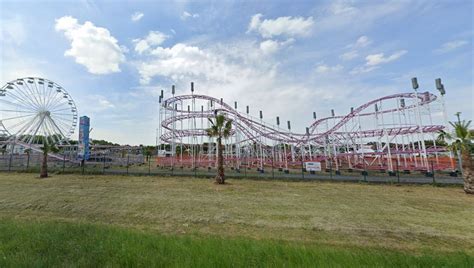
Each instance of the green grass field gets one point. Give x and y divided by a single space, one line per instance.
149 221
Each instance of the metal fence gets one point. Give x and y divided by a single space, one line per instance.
139 165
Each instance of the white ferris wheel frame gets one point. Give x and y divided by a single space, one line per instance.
35 110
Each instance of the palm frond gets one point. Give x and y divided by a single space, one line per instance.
213 131
220 119
443 136
210 120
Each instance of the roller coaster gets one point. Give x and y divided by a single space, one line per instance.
394 132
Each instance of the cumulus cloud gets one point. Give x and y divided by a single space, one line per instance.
91 46
450 46
181 61
177 61
271 46
376 59
154 38
186 15
137 16
287 26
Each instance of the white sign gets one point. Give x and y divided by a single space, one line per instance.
312 166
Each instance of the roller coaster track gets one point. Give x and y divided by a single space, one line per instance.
254 129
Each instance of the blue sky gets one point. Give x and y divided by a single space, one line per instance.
287 58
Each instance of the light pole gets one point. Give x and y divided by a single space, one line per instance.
291 148
415 86
261 145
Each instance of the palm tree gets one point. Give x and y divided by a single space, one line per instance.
47 148
220 129
44 165
28 154
461 143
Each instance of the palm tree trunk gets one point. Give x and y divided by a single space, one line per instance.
467 172
220 179
44 166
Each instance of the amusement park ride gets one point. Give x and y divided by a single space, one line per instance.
33 111
394 132
391 133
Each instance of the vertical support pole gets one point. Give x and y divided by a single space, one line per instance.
302 167
330 169
433 172
424 158
398 173
273 170
128 160
27 161
245 169
365 172
10 162
64 162
103 164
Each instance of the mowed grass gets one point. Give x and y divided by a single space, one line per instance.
118 220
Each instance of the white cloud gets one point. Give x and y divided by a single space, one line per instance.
255 22
342 7
96 104
363 69
450 46
362 41
154 38
271 46
137 16
180 61
373 61
91 46
349 55
186 15
323 68
287 26
343 15
376 59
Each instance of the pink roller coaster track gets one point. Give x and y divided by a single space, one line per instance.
341 140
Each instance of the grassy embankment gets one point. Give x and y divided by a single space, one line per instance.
115 220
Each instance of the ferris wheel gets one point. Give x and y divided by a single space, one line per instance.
35 110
